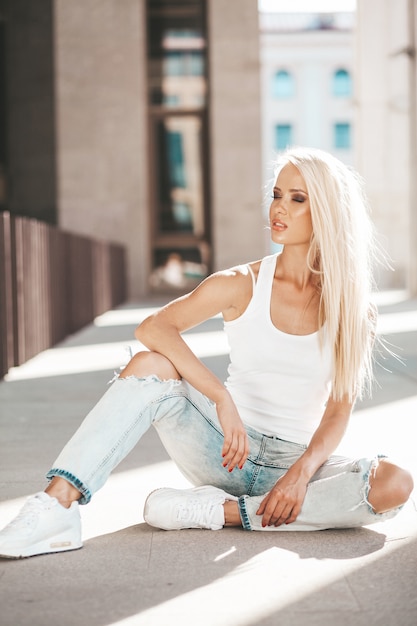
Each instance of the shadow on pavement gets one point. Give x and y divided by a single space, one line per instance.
128 572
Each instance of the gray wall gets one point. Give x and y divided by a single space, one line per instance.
30 126
101 125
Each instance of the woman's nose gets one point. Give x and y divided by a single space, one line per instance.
280 206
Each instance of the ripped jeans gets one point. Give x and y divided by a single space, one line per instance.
187 424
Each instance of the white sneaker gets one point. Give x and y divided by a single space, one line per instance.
174 509
42 526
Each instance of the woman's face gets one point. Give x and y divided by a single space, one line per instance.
289 213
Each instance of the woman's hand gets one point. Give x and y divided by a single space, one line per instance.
236 445
283 503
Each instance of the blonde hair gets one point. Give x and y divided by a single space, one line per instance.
342 254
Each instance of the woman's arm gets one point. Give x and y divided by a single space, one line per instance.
224 292
283 503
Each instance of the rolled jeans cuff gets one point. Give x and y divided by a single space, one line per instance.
86 494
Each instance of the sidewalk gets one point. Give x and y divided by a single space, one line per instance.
132 575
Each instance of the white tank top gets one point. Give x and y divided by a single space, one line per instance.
279 382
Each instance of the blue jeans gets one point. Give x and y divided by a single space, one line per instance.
187 424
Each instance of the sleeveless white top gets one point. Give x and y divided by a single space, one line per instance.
279 382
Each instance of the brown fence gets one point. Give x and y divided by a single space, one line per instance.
51 284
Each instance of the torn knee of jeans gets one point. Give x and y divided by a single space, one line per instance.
151 378
367 476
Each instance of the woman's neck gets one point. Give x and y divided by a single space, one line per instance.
292 267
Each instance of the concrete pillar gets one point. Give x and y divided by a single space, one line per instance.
235 131
383 126
101 125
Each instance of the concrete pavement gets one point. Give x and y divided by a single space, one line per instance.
130 574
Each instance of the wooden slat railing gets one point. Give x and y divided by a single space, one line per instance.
52 283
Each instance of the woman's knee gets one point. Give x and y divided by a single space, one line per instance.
390 486
148 364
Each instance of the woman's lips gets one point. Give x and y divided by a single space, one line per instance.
277 225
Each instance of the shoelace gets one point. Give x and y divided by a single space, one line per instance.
27 516
197 512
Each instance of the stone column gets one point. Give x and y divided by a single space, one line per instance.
383 126
235 131
101 125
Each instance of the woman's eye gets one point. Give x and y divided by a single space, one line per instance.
276 196
298 199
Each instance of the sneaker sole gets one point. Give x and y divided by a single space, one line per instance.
43 547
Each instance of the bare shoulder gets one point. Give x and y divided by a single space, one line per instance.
239 284
243 271
227 292
230 281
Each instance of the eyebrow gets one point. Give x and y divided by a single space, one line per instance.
302 190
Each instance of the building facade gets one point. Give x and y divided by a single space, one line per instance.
141 122
137 121
347 83
307 67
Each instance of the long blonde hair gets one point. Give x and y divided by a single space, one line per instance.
342 254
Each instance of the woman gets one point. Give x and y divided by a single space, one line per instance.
301 330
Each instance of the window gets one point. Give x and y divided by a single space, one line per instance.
342 136
175 155
183 63
180 246
283 136
342 83
179 178
283 85
177 53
